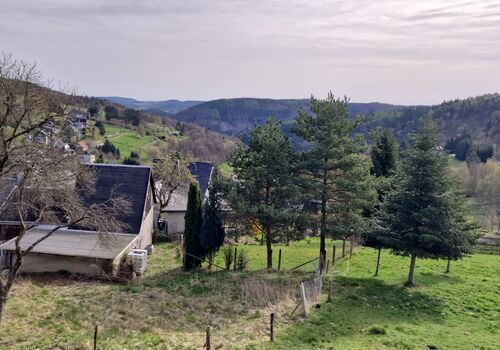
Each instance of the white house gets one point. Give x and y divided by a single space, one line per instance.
79 250
174 212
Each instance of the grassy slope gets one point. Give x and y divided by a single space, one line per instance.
168 306
459 311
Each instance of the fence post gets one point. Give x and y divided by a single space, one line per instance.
351 246
207 342
378 261
272 326
279 260
333 254
234 263
327 266
95 337
330 292
303 294
343 247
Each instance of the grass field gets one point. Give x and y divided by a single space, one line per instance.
128 141
169 309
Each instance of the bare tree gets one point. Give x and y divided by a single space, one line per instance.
171 175
38 183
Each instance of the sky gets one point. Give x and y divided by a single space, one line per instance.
403 52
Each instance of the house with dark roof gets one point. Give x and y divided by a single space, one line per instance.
80 250
174 212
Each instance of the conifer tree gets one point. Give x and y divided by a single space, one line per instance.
212 228
385 165
335 173
264 191
192 230
426 215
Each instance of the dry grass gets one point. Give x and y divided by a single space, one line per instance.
166 309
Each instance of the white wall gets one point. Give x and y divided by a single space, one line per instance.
34 262
175 221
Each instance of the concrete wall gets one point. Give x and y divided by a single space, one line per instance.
175 221
145 236
34 262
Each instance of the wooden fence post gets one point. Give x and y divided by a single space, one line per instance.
95 337
327 266
207 342
234 263
279 260
330 292
272 326
343 247
378 261
333 254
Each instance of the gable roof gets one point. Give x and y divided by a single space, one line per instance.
202 171
130 181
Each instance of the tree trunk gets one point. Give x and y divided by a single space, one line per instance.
448 266
411 273
269 248
322 243
378 261
2 304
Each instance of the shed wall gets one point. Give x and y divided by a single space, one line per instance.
34 263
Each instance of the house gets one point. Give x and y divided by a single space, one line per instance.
174 212
82 146
87 158
80 250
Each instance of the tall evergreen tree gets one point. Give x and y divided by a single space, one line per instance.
426 216
335 173
192 230
385 165
212 228
384 153
264 190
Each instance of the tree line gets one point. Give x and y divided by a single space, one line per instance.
337 187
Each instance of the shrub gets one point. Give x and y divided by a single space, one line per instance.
376 330
242 261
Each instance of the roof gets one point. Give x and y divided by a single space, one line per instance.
83 145
130 181
73 243
202 171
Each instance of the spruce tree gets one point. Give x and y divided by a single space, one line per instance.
212 228
264 192
385 165
426 215
192 230
335 175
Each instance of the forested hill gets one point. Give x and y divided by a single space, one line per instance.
233 116
477 118
167 106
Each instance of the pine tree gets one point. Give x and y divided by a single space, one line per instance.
264 192
426 216
335 173
212 228
192 230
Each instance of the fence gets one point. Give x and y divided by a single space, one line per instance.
487 249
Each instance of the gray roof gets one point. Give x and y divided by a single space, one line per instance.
202 171
130 181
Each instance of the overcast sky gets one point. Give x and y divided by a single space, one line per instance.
406 52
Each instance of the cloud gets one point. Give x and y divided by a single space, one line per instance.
206 49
